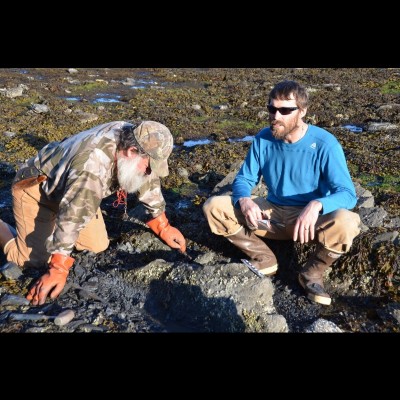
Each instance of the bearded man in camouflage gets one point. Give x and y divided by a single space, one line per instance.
57 196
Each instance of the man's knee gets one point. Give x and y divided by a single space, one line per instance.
95 246
217 205
98 248
338 230
348 220
209 205
220 215
25 258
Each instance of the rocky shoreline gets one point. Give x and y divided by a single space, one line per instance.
139 284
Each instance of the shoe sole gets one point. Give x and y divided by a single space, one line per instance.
270 270
326 301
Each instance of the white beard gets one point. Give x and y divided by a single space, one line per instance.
129 178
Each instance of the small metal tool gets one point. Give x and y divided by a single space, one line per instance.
252 268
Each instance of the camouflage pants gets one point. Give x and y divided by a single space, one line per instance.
35 219
335 231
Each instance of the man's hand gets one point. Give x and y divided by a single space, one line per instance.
251 212
172 236
305 223
53 281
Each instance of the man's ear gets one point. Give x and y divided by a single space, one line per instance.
131 152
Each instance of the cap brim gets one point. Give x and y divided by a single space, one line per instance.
160 167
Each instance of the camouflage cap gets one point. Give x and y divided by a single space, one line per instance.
156 140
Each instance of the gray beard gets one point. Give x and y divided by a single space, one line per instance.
129 178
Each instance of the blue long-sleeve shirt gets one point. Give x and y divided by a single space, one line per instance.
313 168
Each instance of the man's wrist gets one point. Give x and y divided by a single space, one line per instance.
241 199
317 205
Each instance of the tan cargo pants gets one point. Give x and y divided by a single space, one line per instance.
35 219
335 231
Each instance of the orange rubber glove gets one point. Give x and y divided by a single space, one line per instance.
54 280
161 227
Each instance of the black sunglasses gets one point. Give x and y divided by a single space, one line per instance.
282 110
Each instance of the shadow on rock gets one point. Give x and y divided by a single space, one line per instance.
183 308
32 140
372 314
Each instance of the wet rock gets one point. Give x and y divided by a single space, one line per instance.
206 258
79 271
381 126
64 317
126 247
372 217
37 329
364 197
85 117
322 325
39 108
393 223
385 237
366 202
262 114
91 285
92 328
11 271
89 295
197 167
393 106
73 325
13 92
73 81
211 299
224 187
332 86
183 172
129 82
13 300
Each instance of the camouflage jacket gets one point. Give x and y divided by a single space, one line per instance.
81 172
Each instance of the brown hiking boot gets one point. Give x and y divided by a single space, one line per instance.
261 256
315 291
311 277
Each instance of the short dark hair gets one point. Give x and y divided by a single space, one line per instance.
283 90
127 138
